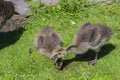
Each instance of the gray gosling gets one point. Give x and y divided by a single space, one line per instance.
47 43
89 37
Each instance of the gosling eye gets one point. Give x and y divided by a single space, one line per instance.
59 53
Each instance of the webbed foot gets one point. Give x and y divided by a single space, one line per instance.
92 62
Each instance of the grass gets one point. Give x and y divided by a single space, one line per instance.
17 64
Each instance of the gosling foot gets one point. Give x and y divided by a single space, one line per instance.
92 62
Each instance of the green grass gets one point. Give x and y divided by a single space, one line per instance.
17 64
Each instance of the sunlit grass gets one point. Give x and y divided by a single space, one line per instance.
17 64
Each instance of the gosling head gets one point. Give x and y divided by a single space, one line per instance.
60 53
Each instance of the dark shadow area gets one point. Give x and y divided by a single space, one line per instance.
8 38
90 55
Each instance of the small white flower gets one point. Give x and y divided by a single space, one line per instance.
73 22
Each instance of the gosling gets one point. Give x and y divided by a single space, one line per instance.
47 43
89 37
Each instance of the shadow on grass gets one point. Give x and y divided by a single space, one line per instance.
90 55
8 38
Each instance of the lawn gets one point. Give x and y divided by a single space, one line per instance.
16 63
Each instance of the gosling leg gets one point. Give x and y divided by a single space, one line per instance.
93 62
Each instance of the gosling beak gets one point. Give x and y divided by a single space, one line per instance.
54 57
